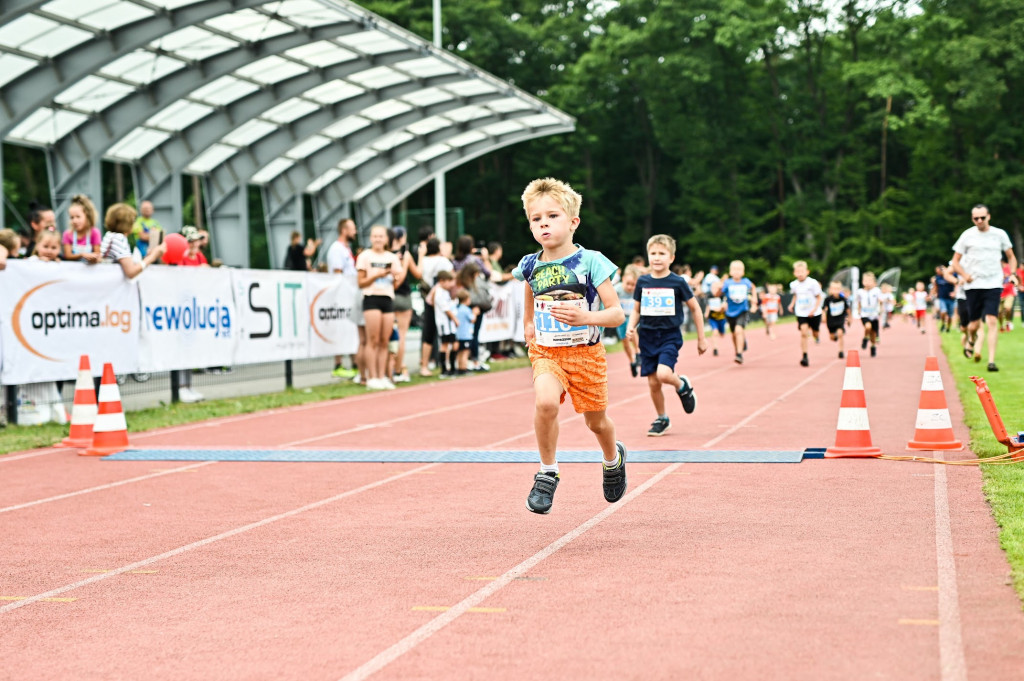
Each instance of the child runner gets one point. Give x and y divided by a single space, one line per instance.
837 314
658 302
740 301
716 319
920 304
566 285
770 303
624 289
806 300
866 303
887 303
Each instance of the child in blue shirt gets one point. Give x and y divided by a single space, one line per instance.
658 312
465 318
741 301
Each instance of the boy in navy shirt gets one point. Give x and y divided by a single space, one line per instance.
658 311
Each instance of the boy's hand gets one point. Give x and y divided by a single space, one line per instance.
631 334
529 332
702 346
569 314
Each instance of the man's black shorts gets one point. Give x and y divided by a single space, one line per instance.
961 312
982 302
813 322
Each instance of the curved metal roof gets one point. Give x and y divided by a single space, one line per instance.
297 95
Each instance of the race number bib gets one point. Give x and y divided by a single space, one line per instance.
714 304
836 309
804 305
552 333
737 294
657 302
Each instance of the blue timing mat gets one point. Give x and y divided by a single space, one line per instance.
465 456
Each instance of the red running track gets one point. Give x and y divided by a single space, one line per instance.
839 569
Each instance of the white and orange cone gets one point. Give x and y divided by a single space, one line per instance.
110 432
853 434
83 411
934 428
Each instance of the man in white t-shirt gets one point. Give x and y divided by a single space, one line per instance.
977 257
340 260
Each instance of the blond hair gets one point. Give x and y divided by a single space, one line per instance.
120 218
633 270
663 240
800 263
87 206
10 240
569 200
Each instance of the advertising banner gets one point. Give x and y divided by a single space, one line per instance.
501 320
52 313
273 315
332 299
188 318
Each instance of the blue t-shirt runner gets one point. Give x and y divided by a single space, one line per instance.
737 296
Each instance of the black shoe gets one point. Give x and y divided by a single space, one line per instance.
863 343
543 492
615 478
686 395
738 359
660 425
992 366
715 352
874 351
634 367
744 345
804 362
842 354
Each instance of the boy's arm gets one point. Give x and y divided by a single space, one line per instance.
698 320
753 298
529 330
634 320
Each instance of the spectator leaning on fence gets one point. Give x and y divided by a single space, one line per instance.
82 241
114 247
47 247
41 219
10 243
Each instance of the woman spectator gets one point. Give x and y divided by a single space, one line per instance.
470 279
403 297
82 241
41 219
378 269
430 263
297 258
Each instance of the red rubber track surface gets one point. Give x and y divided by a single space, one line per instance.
836 569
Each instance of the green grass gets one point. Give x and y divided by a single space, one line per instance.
1004 485
18 438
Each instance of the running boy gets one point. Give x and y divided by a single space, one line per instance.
866 306
624 289
566 286
921 299
806 301
770 303
658 301
740 301
837 314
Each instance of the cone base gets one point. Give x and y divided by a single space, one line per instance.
74 444
852 452
102 451
948 445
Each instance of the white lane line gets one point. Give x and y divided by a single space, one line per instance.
952 661
455 405
209 540
406 644
109 485
30 455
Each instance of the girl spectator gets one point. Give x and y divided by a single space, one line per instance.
10 244
469 279
47 247
431 262
82 241
119 220
403 297
378 269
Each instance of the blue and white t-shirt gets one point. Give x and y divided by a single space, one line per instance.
737 296
867 302
661 300
572 278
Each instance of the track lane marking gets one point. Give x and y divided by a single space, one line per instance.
137 565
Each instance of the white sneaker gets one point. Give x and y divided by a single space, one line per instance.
189 396
386 384
374 384
402 377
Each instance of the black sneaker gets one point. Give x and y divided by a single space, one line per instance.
715 352
658 428
738 359
686 395
634 367
543 492
874 350
992 366
842 354
614 478
804 362
864 343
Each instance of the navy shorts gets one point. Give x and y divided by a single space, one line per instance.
659 346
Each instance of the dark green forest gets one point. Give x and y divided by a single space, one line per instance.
769 130
840 132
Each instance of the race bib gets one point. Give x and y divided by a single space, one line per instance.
737 294
836 309
552 333
804 305
657 302
714 304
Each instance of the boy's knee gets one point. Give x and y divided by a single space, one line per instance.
596 420
665 374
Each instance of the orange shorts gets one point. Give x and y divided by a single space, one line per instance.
582 370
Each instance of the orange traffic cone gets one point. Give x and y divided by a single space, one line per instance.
83 411
110 432
853 435
934 429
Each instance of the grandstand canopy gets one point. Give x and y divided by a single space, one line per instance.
316 98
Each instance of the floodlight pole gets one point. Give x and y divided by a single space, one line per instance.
440 209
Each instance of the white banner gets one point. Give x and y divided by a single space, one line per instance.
188 318
273 315
504 321
332 299
52 313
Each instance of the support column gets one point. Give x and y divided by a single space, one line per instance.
327 213
282 217
65 182
228 216
165 195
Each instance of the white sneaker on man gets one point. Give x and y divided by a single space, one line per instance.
189 396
